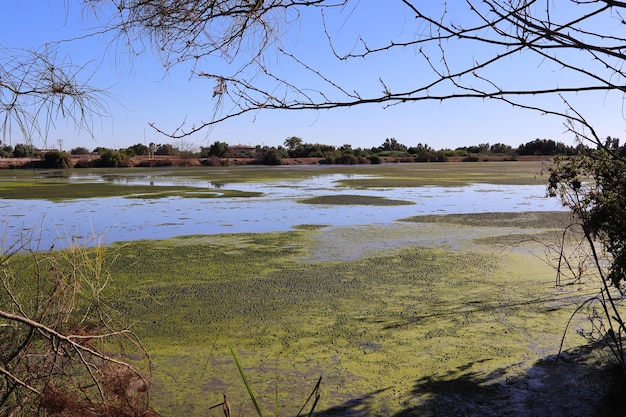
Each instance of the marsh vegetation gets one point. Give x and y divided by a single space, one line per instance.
376 322
421 315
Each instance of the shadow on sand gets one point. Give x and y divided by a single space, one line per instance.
574 384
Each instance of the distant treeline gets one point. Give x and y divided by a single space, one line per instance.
219 153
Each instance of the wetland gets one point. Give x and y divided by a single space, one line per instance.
411 290
135 204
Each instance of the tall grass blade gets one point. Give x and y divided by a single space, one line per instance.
245 379
208 359
276 385
315 393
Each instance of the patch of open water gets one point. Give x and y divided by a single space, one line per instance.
278 209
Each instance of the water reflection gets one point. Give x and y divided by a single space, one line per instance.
217 185
121 219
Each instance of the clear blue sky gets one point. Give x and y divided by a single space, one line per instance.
142 93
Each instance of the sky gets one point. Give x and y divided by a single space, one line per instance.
139 92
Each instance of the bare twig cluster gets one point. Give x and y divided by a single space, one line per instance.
36 89
244 49
60 353
460 55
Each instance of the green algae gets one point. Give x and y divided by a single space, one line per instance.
38 190
528 219
372 326
90 183
350 199
450 174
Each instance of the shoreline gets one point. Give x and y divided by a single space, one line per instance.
144 161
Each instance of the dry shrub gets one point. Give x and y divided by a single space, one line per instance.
65 351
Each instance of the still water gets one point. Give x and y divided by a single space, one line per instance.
278 209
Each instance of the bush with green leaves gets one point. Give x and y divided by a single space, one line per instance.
110 158
139 149
592 185
22 150
57 160
6 151
271 157
79 150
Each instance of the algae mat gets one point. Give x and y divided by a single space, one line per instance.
383 320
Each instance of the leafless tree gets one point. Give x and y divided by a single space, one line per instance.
243 48
37 89
461 53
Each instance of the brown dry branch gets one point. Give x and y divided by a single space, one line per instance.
64 350
582 41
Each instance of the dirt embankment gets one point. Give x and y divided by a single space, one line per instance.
83 161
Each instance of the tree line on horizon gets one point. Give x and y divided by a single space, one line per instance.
219 152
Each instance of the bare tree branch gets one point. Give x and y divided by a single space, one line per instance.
237 38
36 89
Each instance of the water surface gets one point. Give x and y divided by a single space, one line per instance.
278 209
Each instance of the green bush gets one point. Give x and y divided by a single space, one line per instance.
471 158
111 159
22 150
272 157
57 160
80 151
346 159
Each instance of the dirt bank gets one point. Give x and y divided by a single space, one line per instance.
83 161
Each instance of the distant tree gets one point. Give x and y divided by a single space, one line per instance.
501 149
613 144
294 146
420 148
6 151
100 150
312 150
545 147
22 150
480 149
166 149
57 160
140 149
79 151
424 153
538 147
341 159
218 149
272 156
360 152
346 149
111 159
391 144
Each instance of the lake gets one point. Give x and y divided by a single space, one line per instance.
279 208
